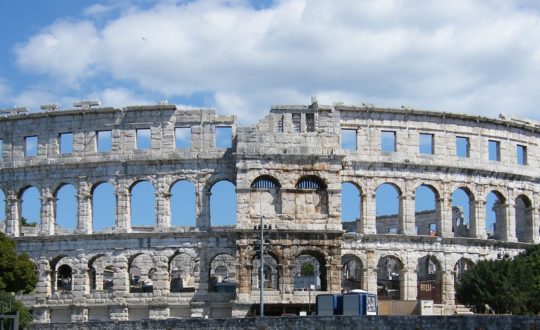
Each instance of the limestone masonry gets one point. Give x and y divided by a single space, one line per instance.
288 170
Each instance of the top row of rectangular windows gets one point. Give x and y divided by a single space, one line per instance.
223 139
427 145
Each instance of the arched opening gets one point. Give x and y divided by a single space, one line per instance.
495 215
350 206
64 279
66 209
351 272
143 205
389 278
182 273
311 196
141 271
270 273
222 275
2 212
183 204
388 209
524 222
30 214
429 279
309 269
103 207
265 196
462 211
101 275
426 210
462 266
223 204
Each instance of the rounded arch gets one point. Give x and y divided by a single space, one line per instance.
61 274
66 207
524 226
429 279
143 203
427 210
30 205
183 203
351 205
351 272
311 182
463 210
182 272
104 202
462 266
140 266
389 208
271 272
223 203
389 278
495 223
310 269
222 273
265 181
101 273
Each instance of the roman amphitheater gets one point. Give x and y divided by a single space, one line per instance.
288 171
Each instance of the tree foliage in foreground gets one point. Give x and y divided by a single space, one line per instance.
17 272
507 285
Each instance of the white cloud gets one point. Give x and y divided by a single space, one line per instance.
467 56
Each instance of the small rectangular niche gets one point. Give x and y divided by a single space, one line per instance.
463 147
182 137
104 141
388 141
30 146
310 122
223 137
348 139
144 138
426 144
66 143
297 122
494 150
521 151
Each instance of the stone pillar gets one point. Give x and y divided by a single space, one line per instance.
123 210
477 221
448 292
47 216
409 284
163 209
161 276
81 280
43 286
368 221
407 215
84 209
535 212
12 214
369 282
509 219
444 217
120 276
203 208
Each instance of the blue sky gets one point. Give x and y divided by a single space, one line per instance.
239 56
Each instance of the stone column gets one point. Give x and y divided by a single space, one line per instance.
163 209
407 215
203 208
123 210
369 282
43 286
47 212
12 214
509 220
161 281
535 212
477 221
444 217
408 284
448 291
84 209
120 276
368 221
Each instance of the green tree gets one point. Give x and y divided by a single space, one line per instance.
507 285
308 269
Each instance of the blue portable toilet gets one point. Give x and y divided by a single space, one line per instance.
329 304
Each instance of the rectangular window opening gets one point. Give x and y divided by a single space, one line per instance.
348 139
521 154
144 138
66 143
310 122
494 150
279 125
223 137
426 144
462 147
30 146
104 143
388 141
296 122
182 137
